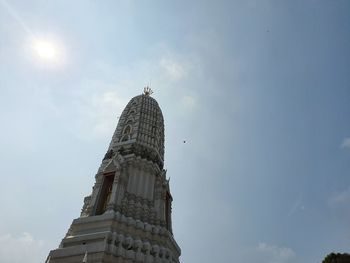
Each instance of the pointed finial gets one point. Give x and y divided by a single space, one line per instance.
85 257
147 91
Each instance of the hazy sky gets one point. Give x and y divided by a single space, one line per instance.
258 89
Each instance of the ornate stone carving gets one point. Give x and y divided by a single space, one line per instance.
85 211
127 216
108 155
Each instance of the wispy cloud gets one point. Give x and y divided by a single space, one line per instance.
24 248
98 101
174 66
298 205
98 114
274 254
16 16
339 198
174 69
189 102
346 143
339 205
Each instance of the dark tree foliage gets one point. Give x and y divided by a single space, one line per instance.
337 258
329 258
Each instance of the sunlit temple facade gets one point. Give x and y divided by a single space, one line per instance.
127 217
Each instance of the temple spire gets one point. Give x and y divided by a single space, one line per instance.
127 216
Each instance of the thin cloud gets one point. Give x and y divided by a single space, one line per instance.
341 197
189 102
298 205
99 114
275 254
346 143
339 205
23 248
16 16
174 69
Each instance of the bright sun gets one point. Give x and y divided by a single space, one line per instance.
45 49
48 52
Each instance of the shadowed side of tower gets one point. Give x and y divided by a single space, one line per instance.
127 217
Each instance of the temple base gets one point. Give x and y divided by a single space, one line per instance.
112 237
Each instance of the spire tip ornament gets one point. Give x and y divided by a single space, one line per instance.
147 91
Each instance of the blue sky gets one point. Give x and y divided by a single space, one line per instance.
258 89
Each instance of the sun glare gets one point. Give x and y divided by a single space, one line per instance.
45 50
48 52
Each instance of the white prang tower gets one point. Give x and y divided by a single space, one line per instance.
127 217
